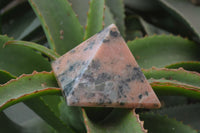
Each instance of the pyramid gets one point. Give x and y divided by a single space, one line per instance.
102 72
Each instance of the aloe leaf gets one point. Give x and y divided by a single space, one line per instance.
135 28
37 36
174 82
95 18
80 7
190 113
34 124
72 116
18 59
26 87
46 113
97 114
108 17
120 120
164 16
7 126
151 29
167 87
142 5
37 125
29 87
29 29
170 100
180 75
164 124
163 50
21 26
19 20
185 12
153 13
60 24
52 54
5 76
187 65
117 9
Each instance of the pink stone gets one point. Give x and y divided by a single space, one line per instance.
102 72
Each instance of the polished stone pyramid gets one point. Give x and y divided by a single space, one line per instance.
102 72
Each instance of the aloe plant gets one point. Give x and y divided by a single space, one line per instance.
163 35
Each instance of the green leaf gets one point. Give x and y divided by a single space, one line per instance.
52 101
180 75
29 29
157 13
30 87
26 87
174 82
5 76
164 124
167 87
108 17
80 7
7 126
187 13
97 114
72 116
36 125
39 106
187 65
163 50
170 101
18 59
153 13
19 20
117 8
135 28
151 29
60 24
142 5
190 112
119 121
37 36
52 54
95 18
18 122
21 26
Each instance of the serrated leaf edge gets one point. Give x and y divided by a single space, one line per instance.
155 82
52 43
8 73
156 35
25 75
197 62
52 54
85 119
166 117
139 121
26 95
180 69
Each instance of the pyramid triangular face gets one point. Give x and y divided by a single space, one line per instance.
102 72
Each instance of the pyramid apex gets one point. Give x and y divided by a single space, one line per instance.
112 25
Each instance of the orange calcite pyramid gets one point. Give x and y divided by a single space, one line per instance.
102 72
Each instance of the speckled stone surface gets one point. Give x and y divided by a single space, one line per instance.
102 71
